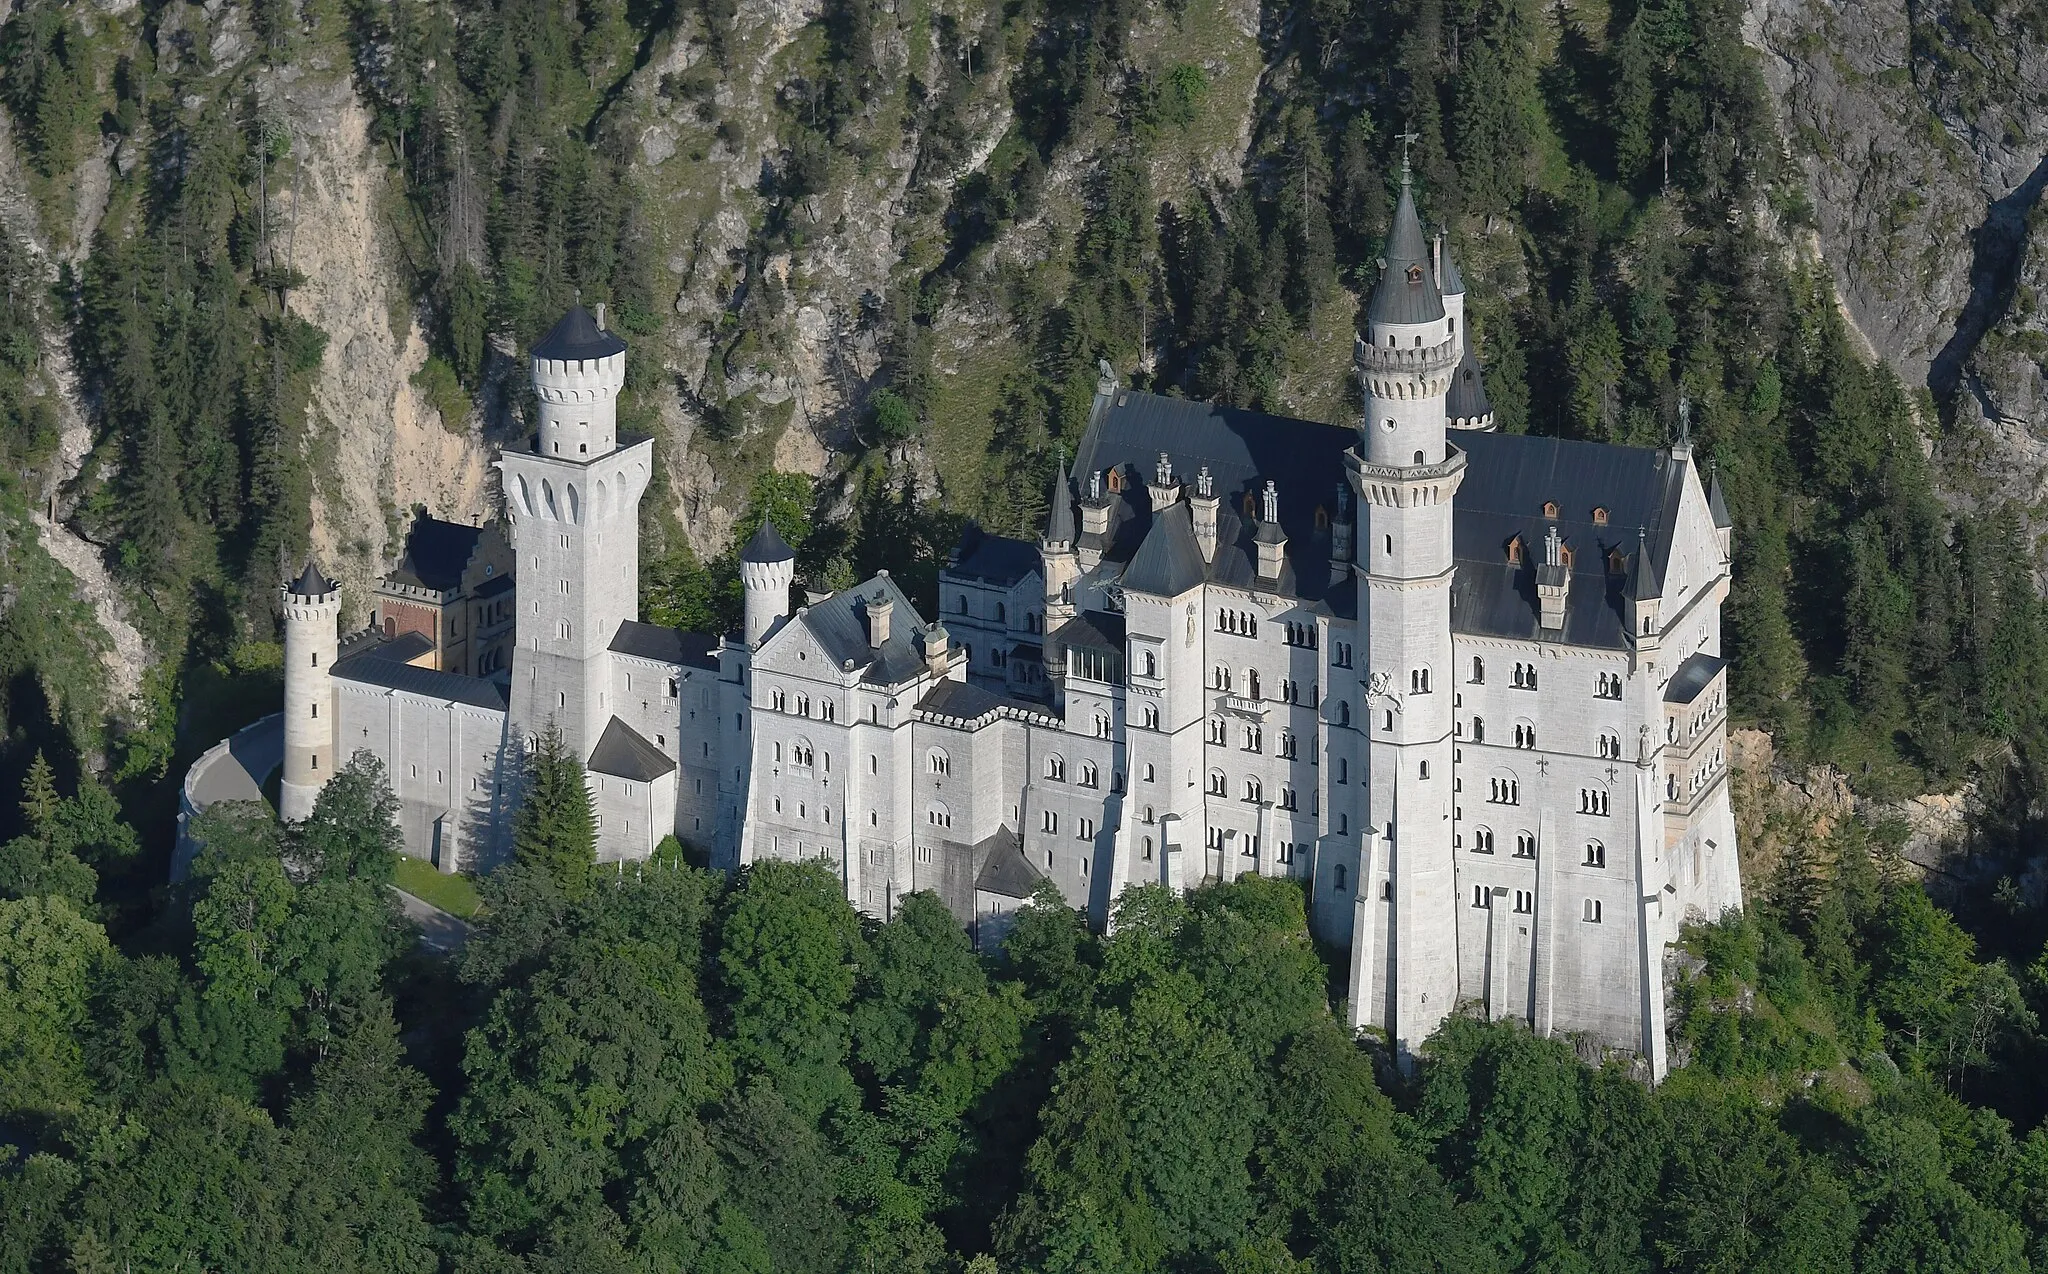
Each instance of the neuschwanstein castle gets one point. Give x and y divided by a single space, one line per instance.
1466 686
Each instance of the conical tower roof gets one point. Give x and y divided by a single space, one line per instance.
1059 524
1644 584
311 582
1467 400
577 337
767 545
1449 281
1717 503
1407 290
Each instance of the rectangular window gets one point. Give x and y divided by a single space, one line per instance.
1525 902
1086 829
1592 912
1049 821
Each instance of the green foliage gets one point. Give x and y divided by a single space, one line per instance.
555 830
49 955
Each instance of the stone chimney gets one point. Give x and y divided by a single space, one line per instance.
879 608
935 644
1553 581
1163 489
1204 503
1269 539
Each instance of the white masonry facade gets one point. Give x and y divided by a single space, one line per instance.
1465 687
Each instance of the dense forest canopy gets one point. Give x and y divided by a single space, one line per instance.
666 1069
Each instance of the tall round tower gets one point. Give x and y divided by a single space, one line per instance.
1405 473
767 569
578 370
312 617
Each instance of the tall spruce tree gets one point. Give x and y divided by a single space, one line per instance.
556 829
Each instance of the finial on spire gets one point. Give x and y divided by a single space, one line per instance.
1407 139
1684 419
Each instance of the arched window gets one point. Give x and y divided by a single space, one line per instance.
1251 683
1596 854
803 705
937 762
938 815
1343 713
1056 767
1525 844
1101 725
1151 664
1482 840
1151 717
1218 784
1088 774
800 753
1220 678
1002 614
1478 729
1150 773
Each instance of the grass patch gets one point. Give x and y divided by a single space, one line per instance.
455 894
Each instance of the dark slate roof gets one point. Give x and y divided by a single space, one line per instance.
436 553
1242 450
493 586
1092 630
1059 526
622 754
1693 676
840 625
666 645
402 649
1169 562
370 669
578 337
1507 479
1467 399
1006 870
1717 504
1449 281
966 706
767 545
1405 295
998 559
311 582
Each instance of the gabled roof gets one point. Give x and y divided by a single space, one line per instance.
436 553
666 645
311 582
622 754
839 625
1406 291
402 649
577 337
371 669
1508 479
767 545
1007 872
1242 450
963 705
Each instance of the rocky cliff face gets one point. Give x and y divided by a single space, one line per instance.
1923 131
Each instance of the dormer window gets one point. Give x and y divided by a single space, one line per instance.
1322 518
1515 551
1564 555
1600 516
1550 509
1116 478
1251 506
1415 274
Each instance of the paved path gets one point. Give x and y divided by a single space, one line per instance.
439 930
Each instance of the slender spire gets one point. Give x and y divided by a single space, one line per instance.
1717 503
1645 586
1448 280
767 545
311 582
1059 524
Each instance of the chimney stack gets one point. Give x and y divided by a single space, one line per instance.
597 311
879 609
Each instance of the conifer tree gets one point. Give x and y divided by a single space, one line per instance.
556 829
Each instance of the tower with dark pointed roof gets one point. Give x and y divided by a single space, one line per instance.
312 617
578 370
1058 552
1405 475
767 569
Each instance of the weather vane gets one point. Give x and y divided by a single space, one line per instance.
1406 139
